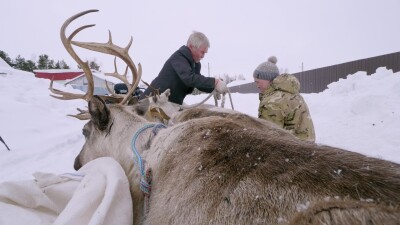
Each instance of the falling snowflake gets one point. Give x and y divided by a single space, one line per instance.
338 172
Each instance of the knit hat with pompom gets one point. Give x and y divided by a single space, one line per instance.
267 70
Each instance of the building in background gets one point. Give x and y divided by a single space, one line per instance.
80 82
57 74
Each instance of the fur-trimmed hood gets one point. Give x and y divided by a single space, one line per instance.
287 83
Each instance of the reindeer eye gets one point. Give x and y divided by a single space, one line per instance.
85 133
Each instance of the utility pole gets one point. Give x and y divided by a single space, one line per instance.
208 69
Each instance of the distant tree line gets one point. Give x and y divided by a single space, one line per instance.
43 63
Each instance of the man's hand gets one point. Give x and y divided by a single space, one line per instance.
220 86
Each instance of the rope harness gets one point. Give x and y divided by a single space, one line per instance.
215 99
145 175
223 100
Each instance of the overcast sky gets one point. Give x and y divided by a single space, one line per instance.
314 33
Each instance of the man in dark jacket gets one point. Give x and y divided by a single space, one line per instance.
181 72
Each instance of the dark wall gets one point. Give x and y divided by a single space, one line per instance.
317 80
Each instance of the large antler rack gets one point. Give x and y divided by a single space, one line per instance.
122 77
84 65
107 48
122 53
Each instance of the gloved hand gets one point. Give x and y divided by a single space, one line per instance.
220 86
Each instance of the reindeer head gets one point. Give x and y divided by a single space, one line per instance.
153 108
101 115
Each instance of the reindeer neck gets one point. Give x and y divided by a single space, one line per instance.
138 145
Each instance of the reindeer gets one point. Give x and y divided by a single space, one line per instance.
215 166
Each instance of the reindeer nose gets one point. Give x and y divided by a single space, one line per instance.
77 163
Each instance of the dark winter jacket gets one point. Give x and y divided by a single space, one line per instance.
181 75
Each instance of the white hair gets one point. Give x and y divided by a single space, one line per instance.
197 39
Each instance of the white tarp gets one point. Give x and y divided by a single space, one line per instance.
97 194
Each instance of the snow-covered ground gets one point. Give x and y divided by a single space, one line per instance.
360 114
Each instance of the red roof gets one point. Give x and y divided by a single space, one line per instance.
57 74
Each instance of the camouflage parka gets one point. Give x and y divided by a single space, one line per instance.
282 104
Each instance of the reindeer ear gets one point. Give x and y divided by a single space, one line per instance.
164 96
167 92
99 112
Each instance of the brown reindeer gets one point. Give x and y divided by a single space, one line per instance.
224 167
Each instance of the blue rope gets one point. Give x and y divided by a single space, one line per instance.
144 184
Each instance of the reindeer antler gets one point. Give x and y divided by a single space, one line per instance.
122 53
122 77
107 48
84 65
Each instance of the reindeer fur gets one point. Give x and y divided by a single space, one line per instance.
216 167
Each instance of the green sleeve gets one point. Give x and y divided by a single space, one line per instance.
271 112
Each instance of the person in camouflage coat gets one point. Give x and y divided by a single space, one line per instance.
281 102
